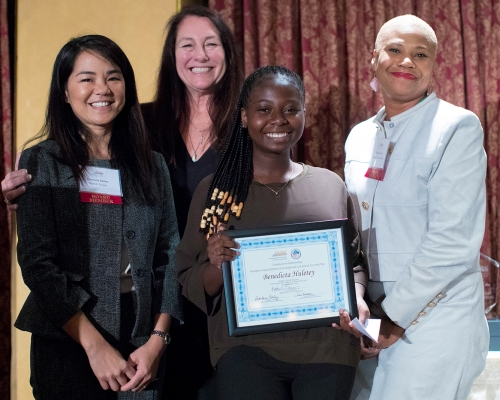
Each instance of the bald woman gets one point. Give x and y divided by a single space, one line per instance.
421 214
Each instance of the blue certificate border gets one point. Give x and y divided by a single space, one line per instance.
243 309
334 233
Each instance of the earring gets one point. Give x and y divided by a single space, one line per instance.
429 89
374 84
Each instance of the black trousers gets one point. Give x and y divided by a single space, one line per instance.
60 369
249 373
188 356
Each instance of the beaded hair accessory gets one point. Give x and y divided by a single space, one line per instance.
219 212
231 181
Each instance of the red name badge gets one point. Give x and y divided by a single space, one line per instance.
100 198
376 168
101 186
375 173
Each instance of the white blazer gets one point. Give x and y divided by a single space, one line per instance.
422 229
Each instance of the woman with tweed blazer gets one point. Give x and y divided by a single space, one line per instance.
101 275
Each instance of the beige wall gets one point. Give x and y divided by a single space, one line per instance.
43 26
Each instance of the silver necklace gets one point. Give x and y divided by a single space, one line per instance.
276 192
195 158
203 131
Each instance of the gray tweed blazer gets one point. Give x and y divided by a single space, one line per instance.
70 252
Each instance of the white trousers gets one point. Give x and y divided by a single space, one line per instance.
440 359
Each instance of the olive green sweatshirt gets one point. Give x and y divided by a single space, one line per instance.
316 194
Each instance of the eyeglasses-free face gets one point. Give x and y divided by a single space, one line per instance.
96 92
275 115
403 64
199 54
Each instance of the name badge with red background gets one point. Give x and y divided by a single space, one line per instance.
376 168
101 186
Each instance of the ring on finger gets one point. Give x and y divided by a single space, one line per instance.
7 201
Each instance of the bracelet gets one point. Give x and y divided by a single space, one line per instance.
164 335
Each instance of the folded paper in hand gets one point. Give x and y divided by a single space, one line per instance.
371 328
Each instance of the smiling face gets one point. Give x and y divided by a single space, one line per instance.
96 92
274 115
199 54
403 64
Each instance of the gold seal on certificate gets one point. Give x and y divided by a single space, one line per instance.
289 277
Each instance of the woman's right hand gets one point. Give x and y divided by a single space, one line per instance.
109 367
219 248
13 186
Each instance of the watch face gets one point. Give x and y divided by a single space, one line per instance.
164 335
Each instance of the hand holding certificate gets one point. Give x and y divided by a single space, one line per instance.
289 277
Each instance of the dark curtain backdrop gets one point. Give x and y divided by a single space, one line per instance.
6 12
330 43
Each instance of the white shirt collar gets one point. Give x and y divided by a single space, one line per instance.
379 118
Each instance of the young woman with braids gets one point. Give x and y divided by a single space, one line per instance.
256 184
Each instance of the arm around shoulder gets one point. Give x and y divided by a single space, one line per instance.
14 185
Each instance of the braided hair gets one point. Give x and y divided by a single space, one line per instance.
230 184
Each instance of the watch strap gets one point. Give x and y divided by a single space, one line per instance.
164 335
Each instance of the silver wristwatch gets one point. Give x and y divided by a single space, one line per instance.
164 335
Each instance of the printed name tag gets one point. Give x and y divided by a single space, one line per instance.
376 168
101 186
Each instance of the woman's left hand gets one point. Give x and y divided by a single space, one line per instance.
369 348
145 360
346 323
363 312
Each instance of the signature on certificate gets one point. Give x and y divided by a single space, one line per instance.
271 297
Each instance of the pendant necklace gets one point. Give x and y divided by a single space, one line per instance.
195 158
276 192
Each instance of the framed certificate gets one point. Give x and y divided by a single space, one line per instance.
289 277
